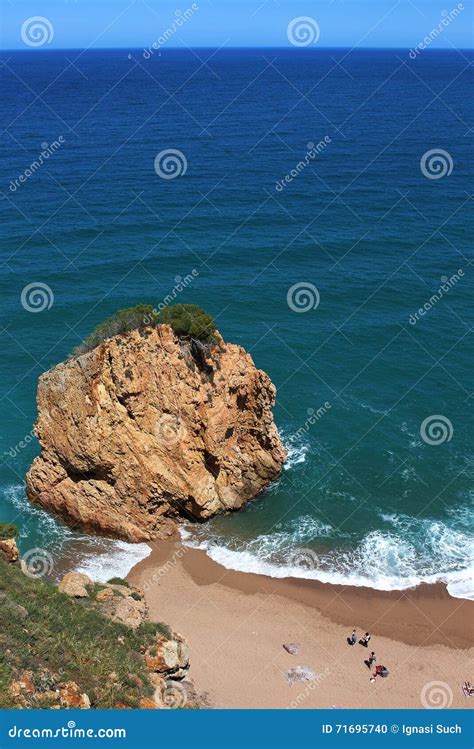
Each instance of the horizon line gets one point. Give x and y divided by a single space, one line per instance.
206 46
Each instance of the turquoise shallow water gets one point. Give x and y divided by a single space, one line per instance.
364 498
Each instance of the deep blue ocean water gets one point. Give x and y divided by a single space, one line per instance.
364 498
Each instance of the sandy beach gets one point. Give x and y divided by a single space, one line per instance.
236 625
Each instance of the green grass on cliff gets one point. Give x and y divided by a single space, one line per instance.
41 628
7 531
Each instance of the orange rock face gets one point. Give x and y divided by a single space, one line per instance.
141 431
146 703
9 550
71 696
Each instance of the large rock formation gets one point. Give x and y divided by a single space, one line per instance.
146 428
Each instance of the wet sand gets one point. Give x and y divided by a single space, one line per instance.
237 623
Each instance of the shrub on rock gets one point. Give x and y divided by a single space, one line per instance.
130 318
189 321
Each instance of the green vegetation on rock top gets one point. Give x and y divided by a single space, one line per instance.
186 320
131 318
118 581
189 321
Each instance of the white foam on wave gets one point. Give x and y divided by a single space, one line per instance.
44 523
115 560
297 449
462 585
100 558
464 515
416 551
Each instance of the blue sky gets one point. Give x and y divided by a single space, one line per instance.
259 23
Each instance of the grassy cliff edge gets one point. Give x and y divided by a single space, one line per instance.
57 640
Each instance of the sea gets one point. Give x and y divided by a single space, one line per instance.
318 203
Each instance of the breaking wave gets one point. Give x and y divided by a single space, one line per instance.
407 552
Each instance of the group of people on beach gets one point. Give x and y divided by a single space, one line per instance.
372 659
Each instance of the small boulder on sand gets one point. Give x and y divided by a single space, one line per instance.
292 648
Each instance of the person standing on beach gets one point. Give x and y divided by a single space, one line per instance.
353 637
365 640
371 659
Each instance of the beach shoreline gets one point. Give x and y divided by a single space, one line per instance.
236 624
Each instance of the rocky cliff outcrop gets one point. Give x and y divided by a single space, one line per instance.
164 652
116 657
9 550
146 428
